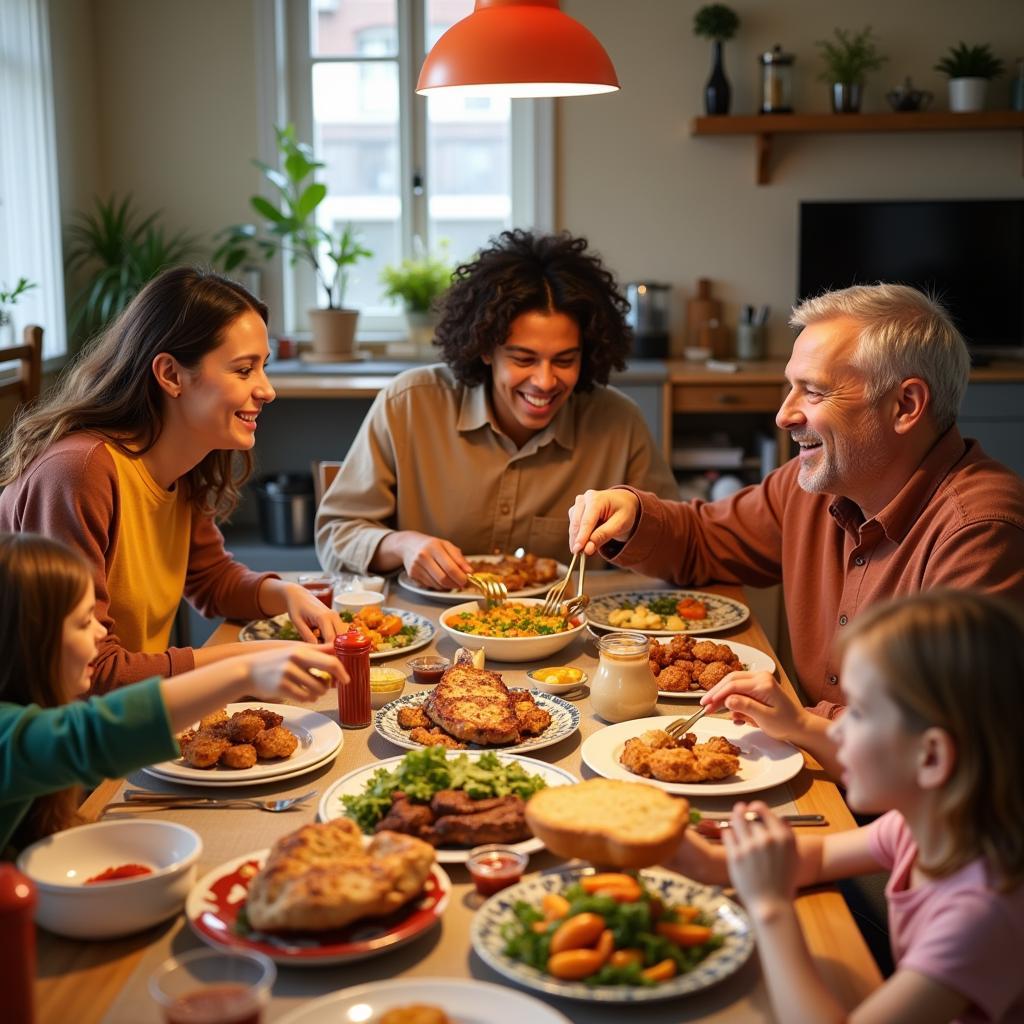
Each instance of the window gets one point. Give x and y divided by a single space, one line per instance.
30 243
401 167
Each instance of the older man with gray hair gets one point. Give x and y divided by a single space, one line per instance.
884 499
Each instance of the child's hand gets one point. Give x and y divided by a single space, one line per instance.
309 614
762 859
285 672
758 699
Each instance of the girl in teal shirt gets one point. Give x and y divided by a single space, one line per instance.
51 742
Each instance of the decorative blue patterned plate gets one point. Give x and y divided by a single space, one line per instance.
728 920
565 720
723 612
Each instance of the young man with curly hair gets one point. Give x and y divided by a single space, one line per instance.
487 451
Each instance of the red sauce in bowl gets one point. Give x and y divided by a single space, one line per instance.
428 670
115 874
494 870
217 1004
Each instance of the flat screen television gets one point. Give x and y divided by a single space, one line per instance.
968 253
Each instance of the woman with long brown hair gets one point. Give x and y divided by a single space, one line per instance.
53 742
142 445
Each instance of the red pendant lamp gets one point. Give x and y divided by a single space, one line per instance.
517 49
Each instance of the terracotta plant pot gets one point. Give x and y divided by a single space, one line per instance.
967 94
334 333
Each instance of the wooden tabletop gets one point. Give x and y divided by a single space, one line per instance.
103 980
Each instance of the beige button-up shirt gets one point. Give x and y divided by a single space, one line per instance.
431 457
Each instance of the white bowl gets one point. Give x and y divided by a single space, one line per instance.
380 697
353 600
511 648
556 688
60 865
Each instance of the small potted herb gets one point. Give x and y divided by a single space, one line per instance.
848 58
417 283
969 69
8 297
717 23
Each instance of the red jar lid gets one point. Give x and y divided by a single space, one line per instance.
352 642
16 890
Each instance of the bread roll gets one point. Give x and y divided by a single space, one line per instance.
604 821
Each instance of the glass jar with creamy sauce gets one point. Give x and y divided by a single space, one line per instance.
624 686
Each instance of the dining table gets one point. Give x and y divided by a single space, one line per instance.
106 981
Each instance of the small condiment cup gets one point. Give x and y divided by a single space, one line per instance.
321 587
353 600
575 679
429 668
370 583
386 684
213 986
495 867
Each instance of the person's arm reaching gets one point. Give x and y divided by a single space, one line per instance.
598 517
429 561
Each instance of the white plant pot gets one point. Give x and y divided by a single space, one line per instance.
421 333
967 94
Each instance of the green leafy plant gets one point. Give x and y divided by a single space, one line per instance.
716 21
9 296
850 56
965 61
118 251
291 222
417 282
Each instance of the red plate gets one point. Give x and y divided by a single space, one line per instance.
215 900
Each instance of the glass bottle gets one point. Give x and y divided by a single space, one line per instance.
18 939
624 686
776 81
353 651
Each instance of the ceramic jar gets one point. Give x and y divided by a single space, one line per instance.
624 686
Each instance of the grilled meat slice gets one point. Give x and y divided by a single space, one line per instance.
504 824
410 819
474 705
458 801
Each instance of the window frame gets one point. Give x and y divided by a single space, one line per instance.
284 90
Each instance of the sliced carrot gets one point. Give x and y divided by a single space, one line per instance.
683 934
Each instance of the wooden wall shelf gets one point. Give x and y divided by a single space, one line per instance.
765 126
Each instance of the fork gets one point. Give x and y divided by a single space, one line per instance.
135 797
495 592
681 726
553 598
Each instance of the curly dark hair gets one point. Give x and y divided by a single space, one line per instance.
521 272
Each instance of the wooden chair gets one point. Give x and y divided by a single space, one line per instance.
30 355
324 472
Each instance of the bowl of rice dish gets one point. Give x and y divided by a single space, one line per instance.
514 631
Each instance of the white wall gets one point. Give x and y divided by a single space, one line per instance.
662 205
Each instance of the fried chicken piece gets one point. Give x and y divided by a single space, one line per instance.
240 755
203 750
661 654
682 765
216 718
434 737
185 738
636 758
677 677
705 650
270 718
712 674
413 717
416 1013
657 739
243 726
655 668
276 742
713 765
532 719
720 745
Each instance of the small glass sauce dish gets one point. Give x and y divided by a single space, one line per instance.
429 668
557 679
495 867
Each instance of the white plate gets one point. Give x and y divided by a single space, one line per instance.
215 900
764 762
355 782
424 632
753 661
565 720
464 1001
320 739
723 612
457 596
728 920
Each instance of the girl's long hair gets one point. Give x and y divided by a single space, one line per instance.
110 388
41 582
955 660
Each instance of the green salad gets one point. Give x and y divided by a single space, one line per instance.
422 773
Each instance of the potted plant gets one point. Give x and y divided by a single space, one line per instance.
118 250
717 23
848 58
417 283
291 227
969 69
8 298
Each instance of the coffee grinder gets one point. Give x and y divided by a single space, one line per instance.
648 316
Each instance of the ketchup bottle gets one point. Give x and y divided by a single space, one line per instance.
353 651
18 940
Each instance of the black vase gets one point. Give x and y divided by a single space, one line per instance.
717 93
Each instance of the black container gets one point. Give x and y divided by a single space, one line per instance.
717 94
287 508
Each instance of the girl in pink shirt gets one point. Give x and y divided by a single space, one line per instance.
932 738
